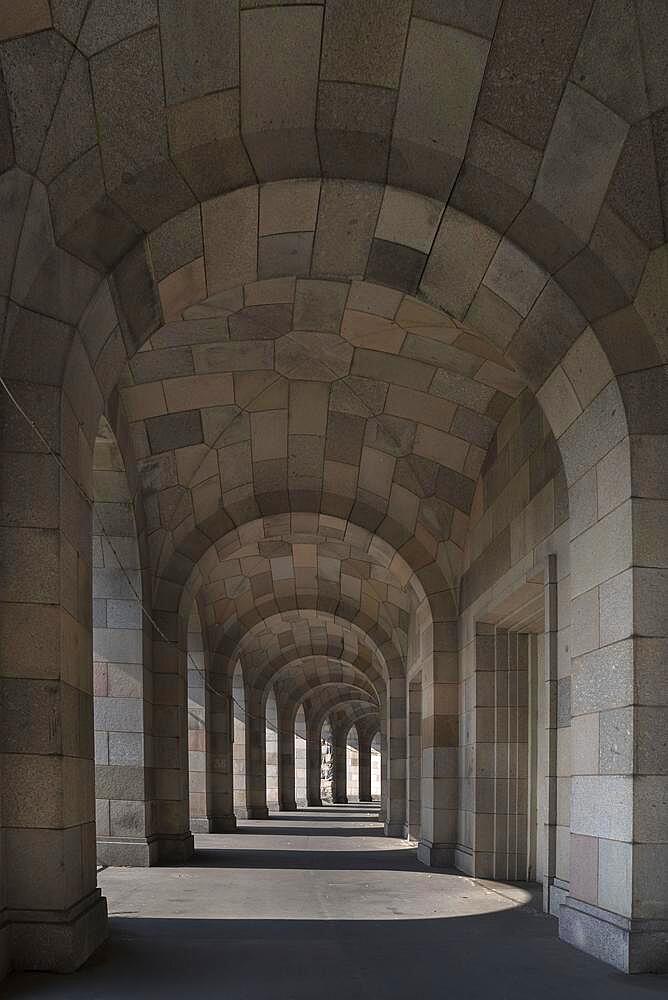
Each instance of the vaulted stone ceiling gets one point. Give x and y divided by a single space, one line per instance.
314 369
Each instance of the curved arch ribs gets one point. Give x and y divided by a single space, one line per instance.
359 355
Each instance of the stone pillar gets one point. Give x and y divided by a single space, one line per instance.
171 825
256 774
219 761
198 714
364 751
58 916
412 827
286 759
617 904
313 764
395 753
440 738
339 782
122 786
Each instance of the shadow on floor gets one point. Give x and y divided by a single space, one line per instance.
305 830
508 956
300 860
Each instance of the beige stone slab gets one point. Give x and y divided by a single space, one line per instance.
195 391
288 206
230 225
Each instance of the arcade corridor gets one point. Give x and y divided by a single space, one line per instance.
319 904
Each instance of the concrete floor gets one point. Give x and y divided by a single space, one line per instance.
318 904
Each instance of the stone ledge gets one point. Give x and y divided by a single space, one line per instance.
58 941
435 855
627 944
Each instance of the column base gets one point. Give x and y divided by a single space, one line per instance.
58 940
340 800
435 855
255 812
555 891
627 944
288 806
174 850
314 802
127 852
393 829
214 824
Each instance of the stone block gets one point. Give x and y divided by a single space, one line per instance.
616 741
34 68
603 679
198 390
602 806
129 101
288 206
443 68
397 266
104 26
363 42
409 219
200 48
579 160
528 66
461 254
174 430
319 305
285 255
278 96
354 127
584 867
206 145
346 221
231 261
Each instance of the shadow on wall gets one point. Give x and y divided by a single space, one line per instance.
174 959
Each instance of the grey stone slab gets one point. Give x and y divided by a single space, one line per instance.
639 387
106 24
528 65
278 96
564 701
284 255
86 221
443 68
654 39
634 191
36 347
354 125
609 61
363 41
580 157
551 327
135 298
616 741
177 242
346 220
262 322
200 47
395 265
14 192
34 68
129 100
473 427
478 16
319 305
151 366
6 141
174 430
206 145
68 16
72 130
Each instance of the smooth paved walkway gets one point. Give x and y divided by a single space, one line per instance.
318 905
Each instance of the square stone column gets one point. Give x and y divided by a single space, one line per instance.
395 753
340 781
313 764
286 759
256 773
414 778
219 759
56 915
617 907
170 830
364 768
440 737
